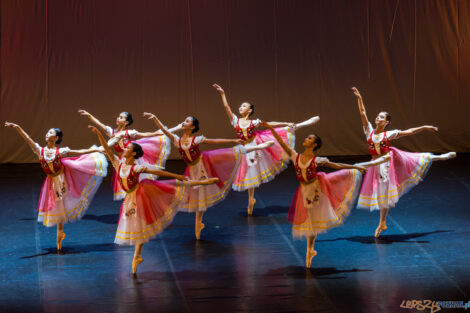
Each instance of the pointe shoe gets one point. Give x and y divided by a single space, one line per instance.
60 238
310 255
135 263
251 204
450 155
379 229
199 228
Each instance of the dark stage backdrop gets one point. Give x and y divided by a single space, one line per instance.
292 59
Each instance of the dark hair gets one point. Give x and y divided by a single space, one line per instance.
388 118
137 149
195 124
252 107
59 134
129 118
318 142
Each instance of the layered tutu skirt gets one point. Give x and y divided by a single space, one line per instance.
261 166
65 198
324 203
220 163
149 209
384 184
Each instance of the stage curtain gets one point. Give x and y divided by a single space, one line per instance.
292 59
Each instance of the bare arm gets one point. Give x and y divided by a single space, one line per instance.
416 130
164 174
284 146
160 125
280 124
340 166
224 101
103 142
362 108
224 141
156 133
25 136
83 151
94 120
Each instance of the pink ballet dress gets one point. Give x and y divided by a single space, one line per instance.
156 151
384 184
149 205
70 185
322 201
260 166
220 163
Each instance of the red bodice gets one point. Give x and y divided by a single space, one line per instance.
193 150
310 171
250 131
122 144
53 168
130 182
384 145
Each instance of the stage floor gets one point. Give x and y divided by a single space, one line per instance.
242 264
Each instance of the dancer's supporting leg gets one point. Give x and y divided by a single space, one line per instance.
251 191
137 257
310 250
60 236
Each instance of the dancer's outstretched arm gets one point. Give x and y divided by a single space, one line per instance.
224 141
160 125
109 152
160 173
284 146
224 101
157 133
82 151
94 120
362 108
23 134
415 130
377 161
340 166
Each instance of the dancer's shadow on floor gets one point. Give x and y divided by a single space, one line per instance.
219 279
388 239
301 272
77 249
105 219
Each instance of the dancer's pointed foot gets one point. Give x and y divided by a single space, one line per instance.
199 228
379 229
449 155
251 204
310 255
135 263
60 238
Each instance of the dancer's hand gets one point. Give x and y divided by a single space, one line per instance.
431 128
361 168
94 129
356 92
8 124
182 177
84 113
150 116
240 141
218 88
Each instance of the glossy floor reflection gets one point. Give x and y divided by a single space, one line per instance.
243 264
